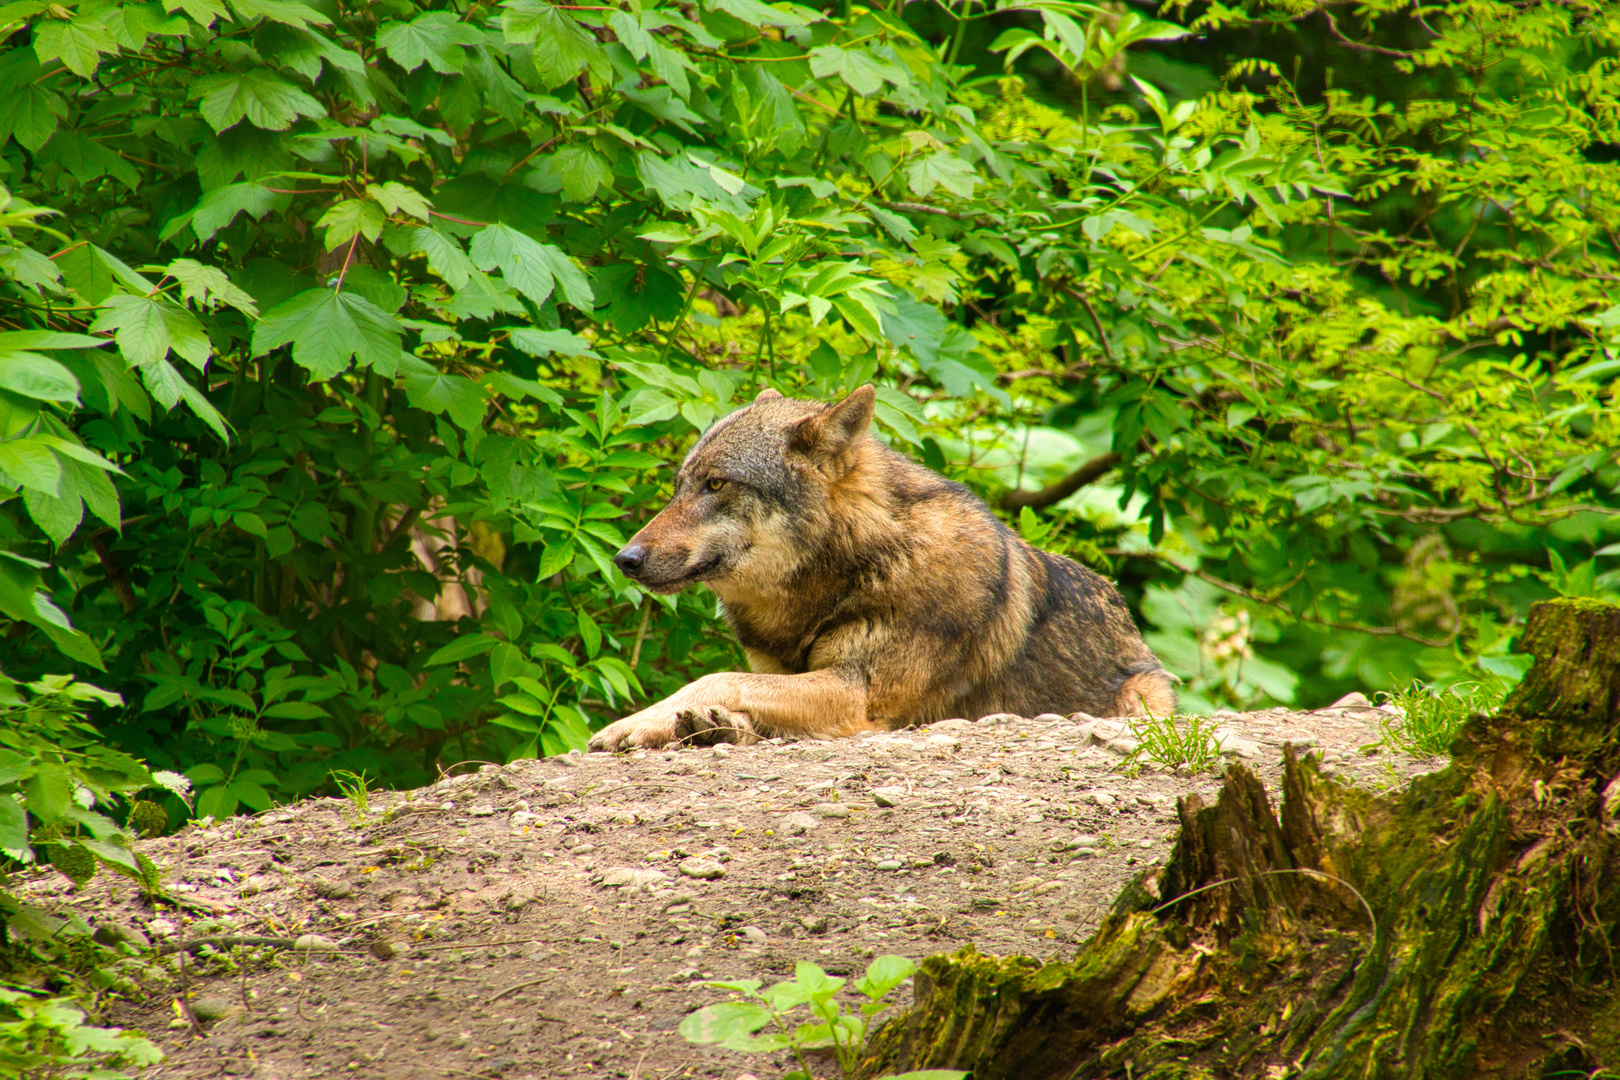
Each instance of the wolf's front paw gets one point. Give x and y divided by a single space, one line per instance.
712 724
640 730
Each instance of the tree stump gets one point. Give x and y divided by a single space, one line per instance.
1463 928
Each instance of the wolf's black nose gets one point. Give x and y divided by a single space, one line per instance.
631 559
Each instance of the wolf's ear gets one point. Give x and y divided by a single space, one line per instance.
767 394
829 433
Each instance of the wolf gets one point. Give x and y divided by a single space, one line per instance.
868 592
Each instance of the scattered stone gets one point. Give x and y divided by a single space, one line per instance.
254 884
1049 887
703 869
523 819
1103 732
1233 746
943 742
1144 843
211 1007
1355 699
956 724
331 890
314 943
482 810
571 760
799 824
161 928
753 933
1100 798
830 810
1050 718
722 750
1082 718
382 948
816 924
888 796
633 878
999 718
111 934
888 864
1123 746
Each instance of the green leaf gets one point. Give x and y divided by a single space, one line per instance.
34 114
434 38
289 12
266 100
48 793
13 826
542 343
217 802
941 169
462 398
529 266
218 208
755 13
463 648
883 975
30 462
581 171
147 327
717 1023
327 328
37 377
77 42
860 70
562 47
350 217
397 198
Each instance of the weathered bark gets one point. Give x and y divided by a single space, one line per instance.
1490 951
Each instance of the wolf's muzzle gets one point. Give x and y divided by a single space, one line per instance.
631 559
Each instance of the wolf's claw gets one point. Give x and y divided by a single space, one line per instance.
713 724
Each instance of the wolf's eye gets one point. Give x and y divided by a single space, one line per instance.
714 483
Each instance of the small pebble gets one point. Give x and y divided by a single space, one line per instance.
314 943
522 819
702 869
888 864
722 750
482 810
799 824
888 796
830 810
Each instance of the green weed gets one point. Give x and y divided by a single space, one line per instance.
734 1024
356 788
1174 741
1431 717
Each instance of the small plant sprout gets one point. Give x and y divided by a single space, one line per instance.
1174 741
356 788
735 1024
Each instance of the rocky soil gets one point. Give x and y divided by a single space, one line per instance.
558 918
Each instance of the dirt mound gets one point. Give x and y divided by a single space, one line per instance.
557 918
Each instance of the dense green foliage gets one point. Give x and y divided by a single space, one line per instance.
340 345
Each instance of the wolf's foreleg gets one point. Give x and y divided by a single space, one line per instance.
819 704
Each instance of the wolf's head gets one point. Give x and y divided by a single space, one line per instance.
749 483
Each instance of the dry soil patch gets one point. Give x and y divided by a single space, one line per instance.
558 918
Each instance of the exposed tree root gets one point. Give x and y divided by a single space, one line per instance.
1494 891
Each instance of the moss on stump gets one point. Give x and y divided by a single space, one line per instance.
1464 928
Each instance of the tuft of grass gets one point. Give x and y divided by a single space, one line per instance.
1430 717
356 788
1174 741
